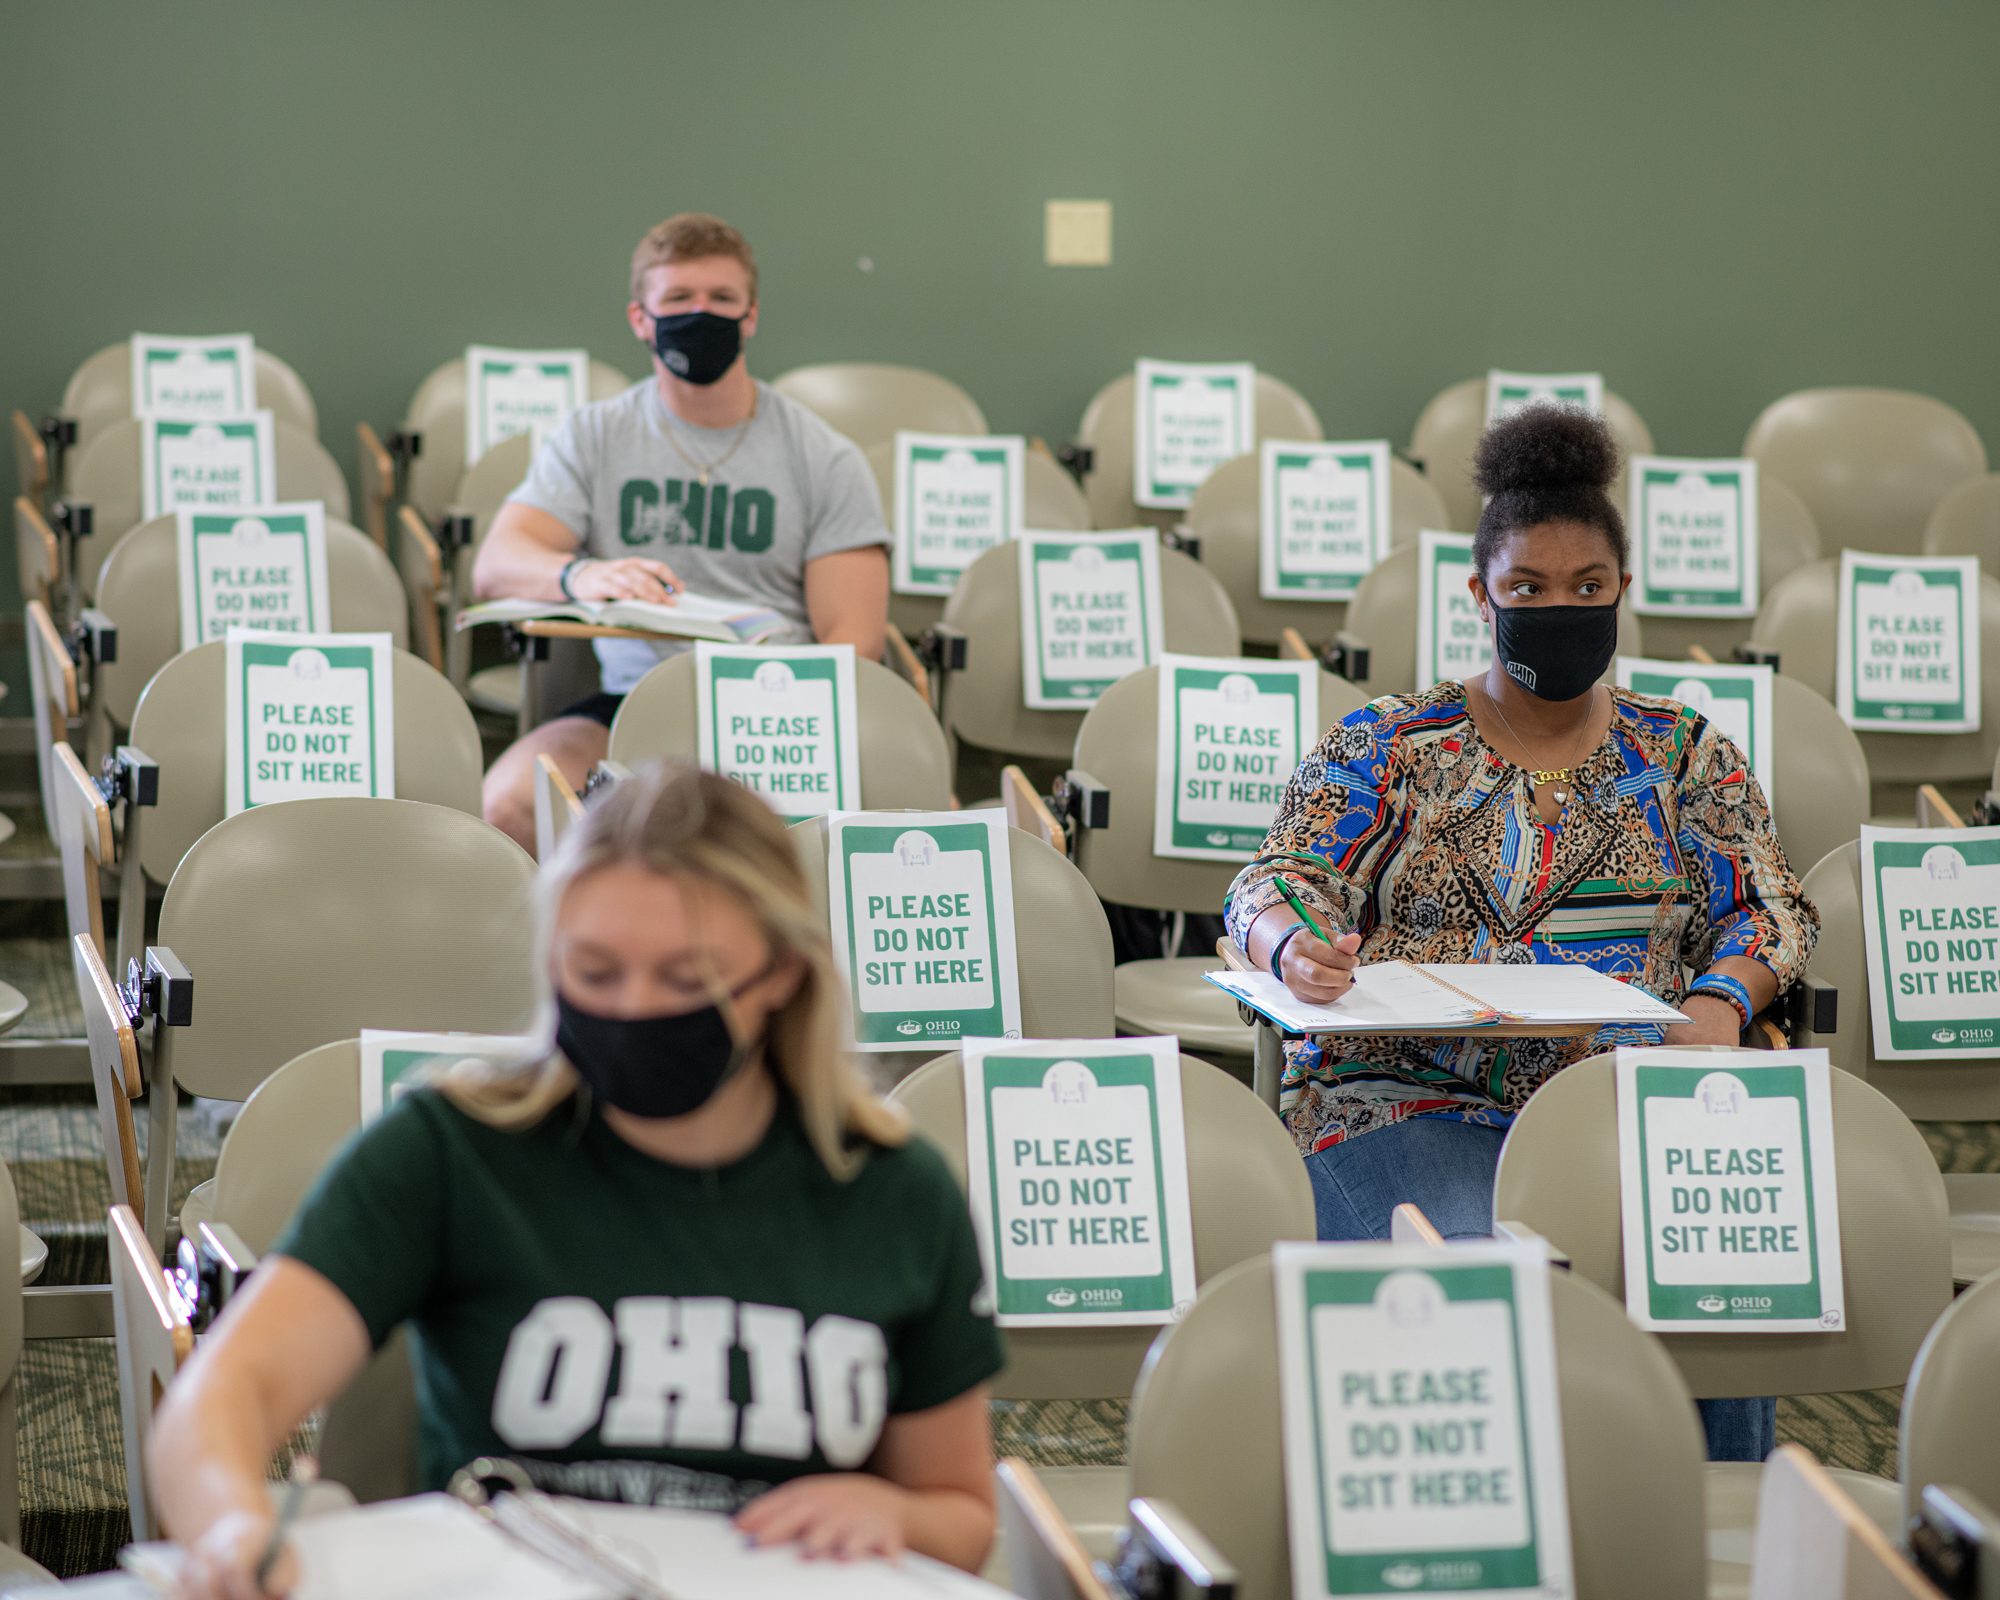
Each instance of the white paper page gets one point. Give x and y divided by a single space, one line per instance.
954 499
520 391
1906 643
1509 392
1188 418
430 1547
207 464
1694 536
1323 517
263 568
1547 992
700 1555
308 716
1391 994
1452 642
1930 918
393 1062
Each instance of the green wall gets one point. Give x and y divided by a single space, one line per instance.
1712 203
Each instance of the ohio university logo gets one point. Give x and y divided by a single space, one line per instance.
1524 676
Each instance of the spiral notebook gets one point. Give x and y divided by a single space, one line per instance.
1455 997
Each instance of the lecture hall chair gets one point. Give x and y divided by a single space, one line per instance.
905 763
985 705
1062 944
1246 1189
1050 501
870 403
1108 432
1559 1175
1206 1436
1799 619
1118 744
1872 464
1226 518
106 477
1966 522
99 393
1951 1405
1449 427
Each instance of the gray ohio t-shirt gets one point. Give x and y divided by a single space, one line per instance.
794 490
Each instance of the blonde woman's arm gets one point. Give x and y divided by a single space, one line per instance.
287 1344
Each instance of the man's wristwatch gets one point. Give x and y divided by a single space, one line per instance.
562 578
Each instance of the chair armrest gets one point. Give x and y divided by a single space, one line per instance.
1044 1557
1292 646
900 657
1027 810
1934 811
378 483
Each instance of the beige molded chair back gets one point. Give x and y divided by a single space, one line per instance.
139 589
305 922
1206 1433
1062 942
100 393
1966 522
1799 619
106 477
869 402
286 1133
1108 428
905 764
984 705
1821 774
179 723
1932 1090
1951 1406
1226 517
153 1340
437 411
1558 1174
1246 1187
1119 745
1383 616
1871 463
1449 428
1051 501
1787 539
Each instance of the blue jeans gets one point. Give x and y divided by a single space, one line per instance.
1446 1168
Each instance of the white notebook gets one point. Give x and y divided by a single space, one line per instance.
691 616
1452 997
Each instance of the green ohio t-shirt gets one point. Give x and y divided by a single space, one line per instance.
630 1330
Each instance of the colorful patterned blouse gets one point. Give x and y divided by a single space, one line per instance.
1405 824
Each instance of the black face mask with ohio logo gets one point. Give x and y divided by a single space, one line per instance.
1555 652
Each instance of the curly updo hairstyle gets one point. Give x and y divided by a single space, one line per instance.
1546 463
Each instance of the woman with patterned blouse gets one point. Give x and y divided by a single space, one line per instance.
1530 814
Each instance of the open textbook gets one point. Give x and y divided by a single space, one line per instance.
433 1547
1454 997
691 616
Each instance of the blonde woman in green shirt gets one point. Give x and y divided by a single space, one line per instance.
686 1260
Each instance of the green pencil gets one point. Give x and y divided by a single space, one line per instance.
1305 916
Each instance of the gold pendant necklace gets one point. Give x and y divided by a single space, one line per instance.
1559 776
704 468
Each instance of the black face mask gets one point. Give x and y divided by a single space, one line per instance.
651 1066
1555 652
697 346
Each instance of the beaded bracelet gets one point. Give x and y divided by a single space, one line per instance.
1278 949
1724 987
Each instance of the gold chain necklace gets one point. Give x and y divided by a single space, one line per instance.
1556 775
703 469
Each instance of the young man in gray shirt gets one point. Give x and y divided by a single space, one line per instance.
701 479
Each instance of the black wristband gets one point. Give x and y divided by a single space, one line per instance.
1278 949
562 577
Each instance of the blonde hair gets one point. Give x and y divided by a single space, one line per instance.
678 821
690 236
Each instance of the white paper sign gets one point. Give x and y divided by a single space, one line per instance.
308 716
1930 920
1091 612
1422 1423
955 499
194 378
520 391
1323 518
1232 733
1726 1179
1189 420
231 461
782 722
921 904
1907 643
394 1062
1509 392
1076 1166
1694 525
263 569
1736 699
1452 641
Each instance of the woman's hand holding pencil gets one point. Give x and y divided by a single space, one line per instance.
1315 963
